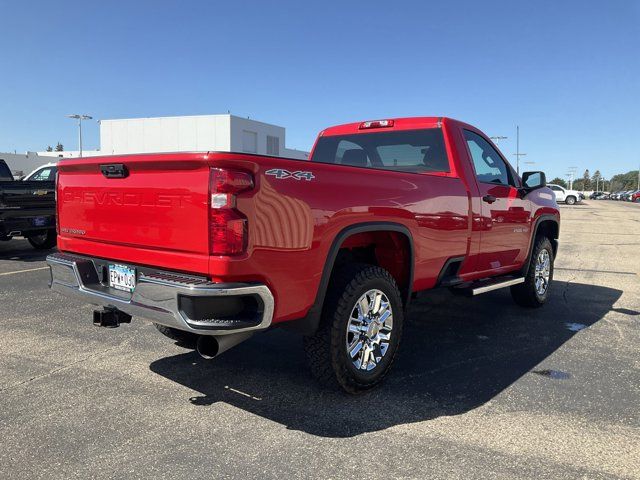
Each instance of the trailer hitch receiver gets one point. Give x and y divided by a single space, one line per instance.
110 317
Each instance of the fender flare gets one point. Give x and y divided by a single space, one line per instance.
309 324
542 218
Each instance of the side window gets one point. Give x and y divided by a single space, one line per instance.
44 175
556 189
5 172
488 164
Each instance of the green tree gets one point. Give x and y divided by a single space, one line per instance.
559 181
586 180
49 149
59 147
596 180
624 181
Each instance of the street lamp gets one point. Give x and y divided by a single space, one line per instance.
518 154
80 118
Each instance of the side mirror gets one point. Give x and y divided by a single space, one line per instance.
534 180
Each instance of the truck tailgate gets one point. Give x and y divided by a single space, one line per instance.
26 195
159 202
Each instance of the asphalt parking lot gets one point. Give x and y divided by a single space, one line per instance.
481 389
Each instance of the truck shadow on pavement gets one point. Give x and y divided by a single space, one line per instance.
20 250
457 354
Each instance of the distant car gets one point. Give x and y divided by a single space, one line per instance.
44 173
635 197
597 195
626 195
570 197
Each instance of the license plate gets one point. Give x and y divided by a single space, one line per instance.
39 221
122 277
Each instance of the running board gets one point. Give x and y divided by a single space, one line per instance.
494 284
484 286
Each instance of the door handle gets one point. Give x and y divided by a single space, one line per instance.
489 198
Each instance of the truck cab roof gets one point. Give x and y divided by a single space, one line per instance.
405 123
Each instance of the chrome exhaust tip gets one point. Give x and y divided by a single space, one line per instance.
209 347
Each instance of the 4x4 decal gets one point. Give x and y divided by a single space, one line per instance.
280 174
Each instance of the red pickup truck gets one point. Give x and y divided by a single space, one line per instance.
216 246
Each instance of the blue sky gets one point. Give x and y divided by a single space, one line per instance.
568 72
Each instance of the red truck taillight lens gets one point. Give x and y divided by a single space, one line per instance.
227 226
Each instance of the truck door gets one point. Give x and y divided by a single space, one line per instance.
559 193
505 216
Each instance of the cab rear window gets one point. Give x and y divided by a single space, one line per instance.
414 151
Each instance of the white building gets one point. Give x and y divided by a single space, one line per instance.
224 133
200 133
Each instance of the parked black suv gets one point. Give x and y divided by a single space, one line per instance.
27 209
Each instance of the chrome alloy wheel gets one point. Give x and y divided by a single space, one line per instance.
369 330
543 272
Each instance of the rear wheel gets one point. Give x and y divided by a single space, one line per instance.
360 330
570 200
534 292
43 241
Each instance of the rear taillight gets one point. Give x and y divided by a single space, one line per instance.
227 226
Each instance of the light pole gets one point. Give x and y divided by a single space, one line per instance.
80 118
571 175
518 154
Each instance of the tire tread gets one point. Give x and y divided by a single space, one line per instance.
321 349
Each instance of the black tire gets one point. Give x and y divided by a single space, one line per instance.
326 351
570 200
182 338
526 294
43 241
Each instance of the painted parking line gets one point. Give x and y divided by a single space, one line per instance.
23 271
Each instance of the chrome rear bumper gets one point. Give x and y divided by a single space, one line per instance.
167 297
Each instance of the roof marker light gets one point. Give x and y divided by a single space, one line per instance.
376 124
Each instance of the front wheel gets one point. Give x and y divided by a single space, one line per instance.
570 200
534 292
360 330
43 241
